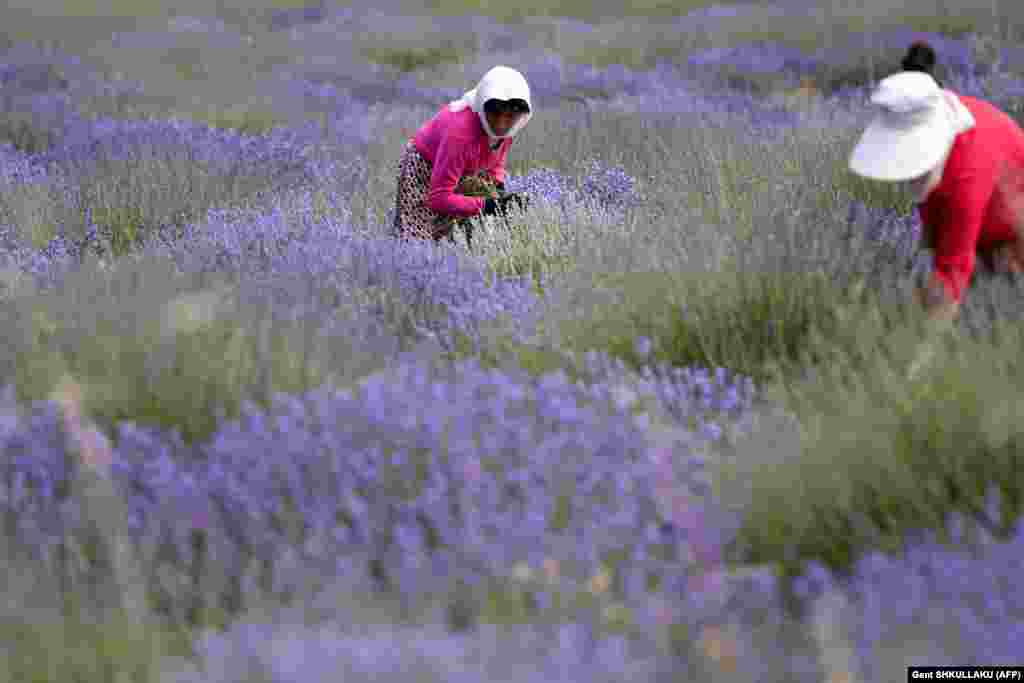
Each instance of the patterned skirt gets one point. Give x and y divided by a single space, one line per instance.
412 216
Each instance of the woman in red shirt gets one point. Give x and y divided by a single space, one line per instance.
468 136
963 161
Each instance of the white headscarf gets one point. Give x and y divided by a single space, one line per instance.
500 83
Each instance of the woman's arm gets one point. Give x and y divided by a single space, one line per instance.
956 241
448 169
936 300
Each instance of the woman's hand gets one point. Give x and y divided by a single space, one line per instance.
520 200
941 313
1006 259
500 204
938 306
491 207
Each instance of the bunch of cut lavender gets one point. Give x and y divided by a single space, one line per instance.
479 184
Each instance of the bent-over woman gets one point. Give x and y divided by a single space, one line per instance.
962 160
467 137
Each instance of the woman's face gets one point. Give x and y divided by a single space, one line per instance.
502 122
922 186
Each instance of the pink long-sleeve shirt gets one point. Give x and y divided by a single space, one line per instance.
971 209
457 145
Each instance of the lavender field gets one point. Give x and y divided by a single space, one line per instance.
679 421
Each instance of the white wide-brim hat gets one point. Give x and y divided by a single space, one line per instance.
500 83
911 134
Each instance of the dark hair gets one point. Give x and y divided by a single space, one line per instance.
920 57
515 106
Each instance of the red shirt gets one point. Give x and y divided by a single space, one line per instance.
969 211
457 145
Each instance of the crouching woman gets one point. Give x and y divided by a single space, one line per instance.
962 160
468 137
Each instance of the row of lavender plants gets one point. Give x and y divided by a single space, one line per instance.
576 508
137 491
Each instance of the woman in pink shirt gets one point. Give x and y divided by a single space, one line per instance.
468 136
963 161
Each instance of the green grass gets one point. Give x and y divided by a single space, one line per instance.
577 10
519 249
114 650
111 8
19 130
248 120
504 351
751 323
808 42
645 46
242 119
632 57
291 4
409 59
162 352
811 40
129 199
884 455
954 26
149 8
